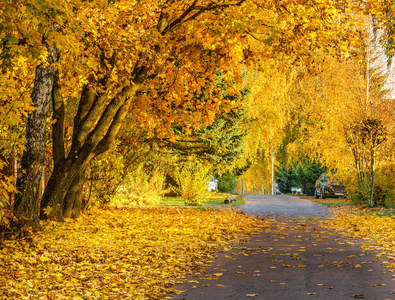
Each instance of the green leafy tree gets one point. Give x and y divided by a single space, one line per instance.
286 179
307 173
220 143
227 182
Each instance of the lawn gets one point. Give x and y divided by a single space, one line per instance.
216 198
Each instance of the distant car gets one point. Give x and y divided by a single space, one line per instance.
327 186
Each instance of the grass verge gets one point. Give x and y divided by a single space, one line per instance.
216 198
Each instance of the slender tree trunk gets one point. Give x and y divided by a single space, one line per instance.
372 178
33 159
58 121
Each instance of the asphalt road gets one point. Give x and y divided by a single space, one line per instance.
281 205
292 258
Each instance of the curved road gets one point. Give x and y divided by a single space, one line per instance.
292 258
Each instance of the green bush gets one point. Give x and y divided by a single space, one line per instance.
286 179
227 183
307 173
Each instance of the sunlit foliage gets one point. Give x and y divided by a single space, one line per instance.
132 253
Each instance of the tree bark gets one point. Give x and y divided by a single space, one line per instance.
63 192
33 158
372 179
58 121
73 199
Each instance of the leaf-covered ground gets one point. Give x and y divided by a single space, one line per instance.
378 231
128 253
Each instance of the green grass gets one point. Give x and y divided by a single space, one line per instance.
216 198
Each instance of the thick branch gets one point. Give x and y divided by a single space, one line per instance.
116 124
97 106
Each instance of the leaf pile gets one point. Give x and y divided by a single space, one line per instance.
377 231
128 253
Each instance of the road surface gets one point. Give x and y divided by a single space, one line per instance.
292 258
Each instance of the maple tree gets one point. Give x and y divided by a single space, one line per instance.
115 57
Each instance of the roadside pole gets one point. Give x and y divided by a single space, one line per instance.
272 172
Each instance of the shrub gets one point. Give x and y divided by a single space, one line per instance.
143 186
286 179
192 178
307 173
227 182
382 193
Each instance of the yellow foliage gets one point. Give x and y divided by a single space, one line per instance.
134 253
141 187
192 178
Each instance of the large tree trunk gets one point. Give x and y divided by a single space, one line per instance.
64 175
92 136
33 159
73 199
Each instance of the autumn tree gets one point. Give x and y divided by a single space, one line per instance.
371 128
115 56
350 112
219 143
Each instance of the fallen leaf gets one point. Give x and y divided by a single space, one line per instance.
378 284
358 266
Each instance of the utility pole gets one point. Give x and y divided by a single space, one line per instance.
272 172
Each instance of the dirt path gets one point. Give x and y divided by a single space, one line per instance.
293 258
